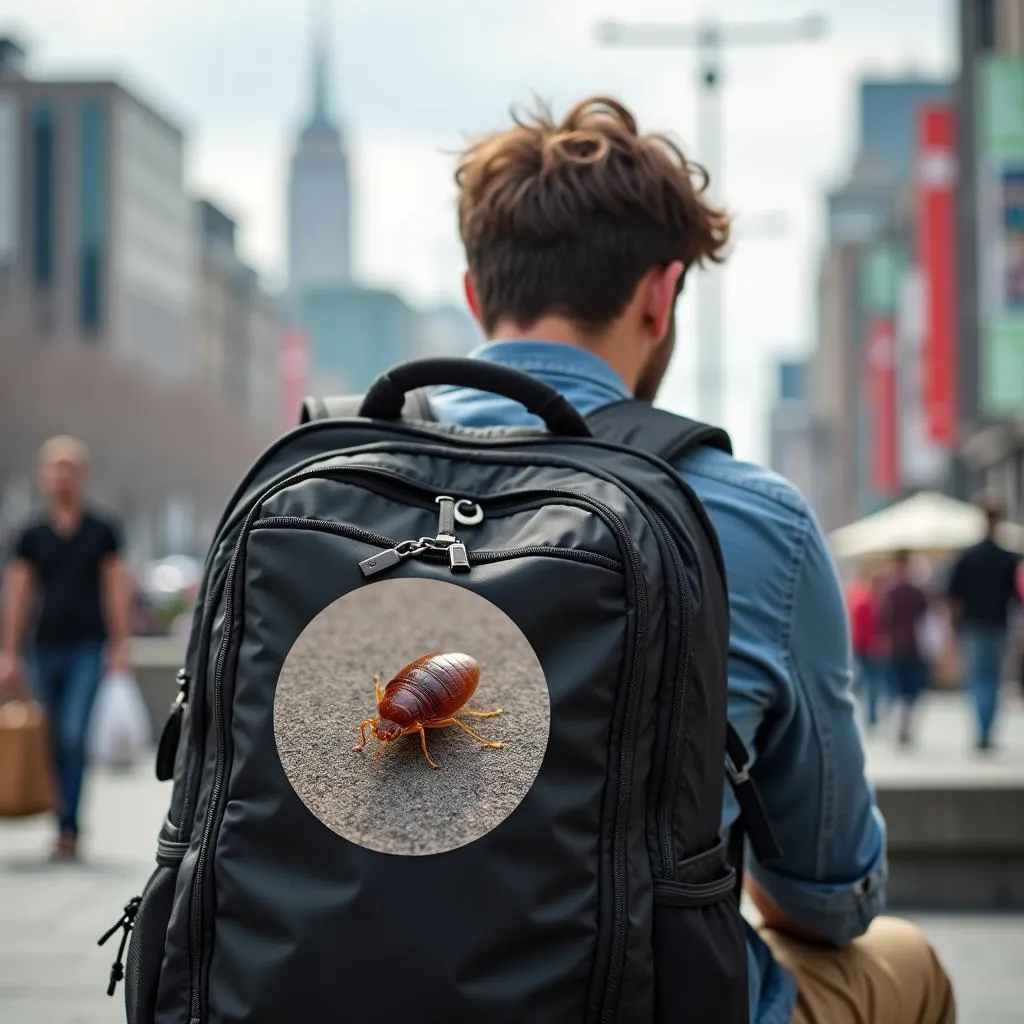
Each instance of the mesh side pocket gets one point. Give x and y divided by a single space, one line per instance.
146 948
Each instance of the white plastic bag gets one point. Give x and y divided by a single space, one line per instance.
933 635
120 731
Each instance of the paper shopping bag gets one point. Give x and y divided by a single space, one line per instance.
26 761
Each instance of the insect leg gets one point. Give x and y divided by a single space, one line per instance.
441 723
423 744
363 726
480 714
377 688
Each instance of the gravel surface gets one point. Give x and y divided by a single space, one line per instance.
392 801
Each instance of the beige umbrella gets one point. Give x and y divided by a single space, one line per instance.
928 523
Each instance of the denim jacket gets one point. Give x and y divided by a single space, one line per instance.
789 671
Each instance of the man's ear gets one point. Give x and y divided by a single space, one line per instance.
471 300
660 298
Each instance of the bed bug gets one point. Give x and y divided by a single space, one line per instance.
426 694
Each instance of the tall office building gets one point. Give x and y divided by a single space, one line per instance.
870 233
990 247
319 191
448 330
791 430
355 333
238 331
96 235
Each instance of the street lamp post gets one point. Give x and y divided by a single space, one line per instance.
709 39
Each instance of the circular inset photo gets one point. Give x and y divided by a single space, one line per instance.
411 716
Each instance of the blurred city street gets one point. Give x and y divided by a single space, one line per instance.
51 971
214 219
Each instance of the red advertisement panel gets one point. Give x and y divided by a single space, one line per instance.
936 183
881 358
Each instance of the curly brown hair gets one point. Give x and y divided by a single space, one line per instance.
566 218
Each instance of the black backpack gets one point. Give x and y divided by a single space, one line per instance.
576 874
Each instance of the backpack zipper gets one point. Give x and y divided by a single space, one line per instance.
618 938
663 815
124 923
439 555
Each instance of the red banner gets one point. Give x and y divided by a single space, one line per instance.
936 182
293 376
881 359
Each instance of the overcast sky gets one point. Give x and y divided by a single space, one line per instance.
411 78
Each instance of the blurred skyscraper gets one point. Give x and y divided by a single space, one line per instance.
109 326
918 379
237 334
990 243
448 331
319 189
100 248
791 432
865 430
353 332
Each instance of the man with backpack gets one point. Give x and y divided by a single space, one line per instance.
578 237
609 894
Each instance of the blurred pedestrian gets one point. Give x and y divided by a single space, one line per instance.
982 589
66 612
904 606
869 654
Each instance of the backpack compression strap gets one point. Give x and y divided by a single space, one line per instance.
657 432
417 407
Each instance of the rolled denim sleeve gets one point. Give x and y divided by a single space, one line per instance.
810 769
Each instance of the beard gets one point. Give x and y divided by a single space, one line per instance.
657 365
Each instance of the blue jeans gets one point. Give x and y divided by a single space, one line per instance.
984 652
909 678
66 681
872 684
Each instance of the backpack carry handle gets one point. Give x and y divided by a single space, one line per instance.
386 396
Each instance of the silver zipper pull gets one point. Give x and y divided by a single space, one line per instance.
380 562
390 557
458 558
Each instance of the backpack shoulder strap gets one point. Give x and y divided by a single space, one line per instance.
654 431
314 407
670 437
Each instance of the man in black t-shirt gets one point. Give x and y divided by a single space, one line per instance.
982 587
66 612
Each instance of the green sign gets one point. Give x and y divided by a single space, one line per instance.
880 274
1002 371
1001 234
1002 107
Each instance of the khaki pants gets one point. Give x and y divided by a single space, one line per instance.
890 975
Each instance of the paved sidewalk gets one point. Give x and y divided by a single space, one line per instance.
943 753
51 971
